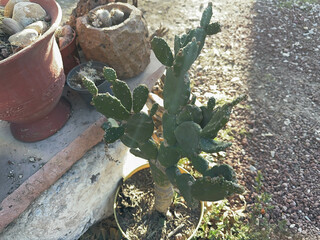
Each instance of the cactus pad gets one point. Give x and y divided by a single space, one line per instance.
172 173
223 170
162 51
121 90
188 136
176 91
211 146
129 142
184 184
109 74
169 124
153 109
213 28
110 106
206 16
185 58
199 163
168 155
214 189
139 127
113 134
140 96
90 86
220 117
138 153
149 149
190 113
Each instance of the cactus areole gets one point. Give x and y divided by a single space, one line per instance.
188 129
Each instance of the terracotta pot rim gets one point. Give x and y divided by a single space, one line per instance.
141 167
47 34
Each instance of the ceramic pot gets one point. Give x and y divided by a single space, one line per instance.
144 166
70 55
32 81
103 87
125 47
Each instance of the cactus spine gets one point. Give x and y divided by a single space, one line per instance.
187 129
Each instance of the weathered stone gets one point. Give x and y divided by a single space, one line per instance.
24 38
39 26
125 47
81 197
10 26
27 13
8 9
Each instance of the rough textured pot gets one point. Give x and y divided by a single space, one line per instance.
84 93
31 83
70 55
124 47
144 166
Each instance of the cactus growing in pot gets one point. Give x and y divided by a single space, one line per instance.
188 129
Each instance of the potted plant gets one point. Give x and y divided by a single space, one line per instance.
115 34
92 70
188 129
32 81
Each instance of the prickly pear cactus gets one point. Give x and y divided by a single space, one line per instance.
188 129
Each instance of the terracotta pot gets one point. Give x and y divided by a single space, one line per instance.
70 55
144 166
32 81
124 47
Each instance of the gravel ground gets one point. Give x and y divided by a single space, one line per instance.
269 50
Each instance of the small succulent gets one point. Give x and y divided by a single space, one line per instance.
188 129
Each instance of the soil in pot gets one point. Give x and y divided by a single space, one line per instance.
86 70
134 210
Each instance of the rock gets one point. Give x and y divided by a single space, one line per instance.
39 26
11 26
124 47
24 38
252 168
8 9
27 13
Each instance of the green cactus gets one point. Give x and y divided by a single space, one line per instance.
212 146
214 189
168 155
162 50
223 170
110 106
188 136
169 125
199 163
139 127
187 129
190 113
113 134
140 97
119 88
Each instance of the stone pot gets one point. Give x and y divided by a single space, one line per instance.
124 47
141 167
32 81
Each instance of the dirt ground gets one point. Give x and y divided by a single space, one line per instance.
270 50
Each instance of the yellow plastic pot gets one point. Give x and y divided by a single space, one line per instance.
182 170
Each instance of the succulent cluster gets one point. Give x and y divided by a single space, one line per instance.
188 129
